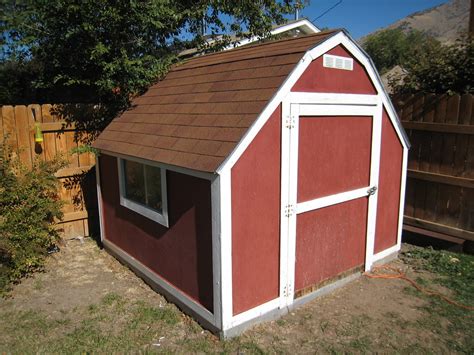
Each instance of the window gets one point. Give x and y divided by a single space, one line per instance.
143 189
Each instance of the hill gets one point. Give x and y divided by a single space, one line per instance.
444 22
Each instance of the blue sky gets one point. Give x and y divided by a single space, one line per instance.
361 17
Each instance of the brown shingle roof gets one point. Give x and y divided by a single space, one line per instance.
198 113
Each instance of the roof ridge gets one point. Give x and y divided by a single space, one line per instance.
246 47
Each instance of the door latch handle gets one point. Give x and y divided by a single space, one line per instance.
372 190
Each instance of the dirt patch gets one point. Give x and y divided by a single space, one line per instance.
87 301
79 275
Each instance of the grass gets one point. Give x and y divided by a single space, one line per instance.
455 273
117 324
113 325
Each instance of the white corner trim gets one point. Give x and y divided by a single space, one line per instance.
254 312
226 248
99 199
161 218
384 253
403 184
216 250
165 285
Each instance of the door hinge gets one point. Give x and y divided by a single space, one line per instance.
290 122
286 291
372 190
289 210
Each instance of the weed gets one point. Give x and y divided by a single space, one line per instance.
361 344
281 322
148 314
250 348
93 308
456 270
324 325
38 284
111 298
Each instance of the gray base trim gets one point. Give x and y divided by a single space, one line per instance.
387 259
152 280
324 290
277 313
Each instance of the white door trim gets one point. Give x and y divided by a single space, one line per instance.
374 181
285 193
315 98
335 110
330 200
343 105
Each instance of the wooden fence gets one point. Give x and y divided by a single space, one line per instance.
77 179
440 185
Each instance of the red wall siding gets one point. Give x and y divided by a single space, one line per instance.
256 219
320 79
333 155
389 187
330 241
182 253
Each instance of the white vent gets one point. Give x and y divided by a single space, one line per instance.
337 62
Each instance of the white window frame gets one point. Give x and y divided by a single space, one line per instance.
161 218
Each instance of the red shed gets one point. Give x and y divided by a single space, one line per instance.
249 181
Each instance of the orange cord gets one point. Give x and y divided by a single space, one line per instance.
398 274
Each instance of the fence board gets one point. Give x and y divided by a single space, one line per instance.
452 109
1 124
429 108
440 109
18 122
439 127
469 170
9 127
465 108
420 199
440 180
431 198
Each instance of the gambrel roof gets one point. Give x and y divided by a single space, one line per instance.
197 114
195 117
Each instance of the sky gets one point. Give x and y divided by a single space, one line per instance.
361 17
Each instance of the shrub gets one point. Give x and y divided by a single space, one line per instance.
439 69
29 204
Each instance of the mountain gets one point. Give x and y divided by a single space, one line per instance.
444 22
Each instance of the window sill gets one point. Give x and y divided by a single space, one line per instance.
145 211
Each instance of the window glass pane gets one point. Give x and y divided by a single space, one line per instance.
134 181
153 184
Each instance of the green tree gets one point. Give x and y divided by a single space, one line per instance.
393 47
441 69
106 51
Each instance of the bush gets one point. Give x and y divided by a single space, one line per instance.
29 204
392 47
439 69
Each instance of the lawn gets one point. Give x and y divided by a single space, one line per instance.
86 301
